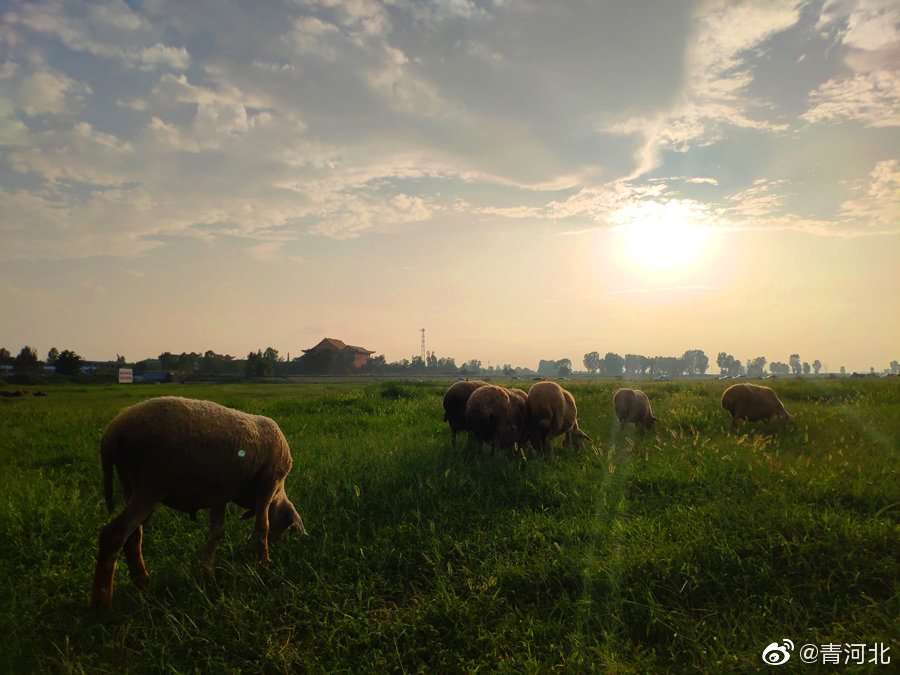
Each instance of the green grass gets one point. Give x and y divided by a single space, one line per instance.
688 548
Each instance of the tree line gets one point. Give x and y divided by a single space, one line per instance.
269 362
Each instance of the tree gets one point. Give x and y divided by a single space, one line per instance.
695 362
613 364
794 363
635 364
843 370
27 361
756 367
472 366
168 361
806 368
779 368
257 364
728 365
564 367
6 358
592 361
69 363
895 367
817 366
52 355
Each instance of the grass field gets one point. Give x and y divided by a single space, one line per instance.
689 548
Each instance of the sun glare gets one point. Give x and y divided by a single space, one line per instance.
664 238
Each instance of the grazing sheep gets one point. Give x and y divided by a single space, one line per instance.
551 412
455 399
495 415
574 435
632 405
752 402
189 455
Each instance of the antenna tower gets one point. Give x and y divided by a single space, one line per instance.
422 331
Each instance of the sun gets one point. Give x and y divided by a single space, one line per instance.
663 237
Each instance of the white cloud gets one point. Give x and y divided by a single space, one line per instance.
715 81
871 98
118 36
875 205
49 91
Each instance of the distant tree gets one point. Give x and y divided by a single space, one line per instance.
635 365
27 361
592 362
756 367
214 364
670 366
258 365
778 368
895 367
612 365
508 370
729 366
376 364
52 355
431 361
6 358
817 366
695 362
472 366
564 367
69 363
806 368
188 363
168 361
547 368
843 370
794 363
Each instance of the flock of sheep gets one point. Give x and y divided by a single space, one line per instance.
506 417
192 455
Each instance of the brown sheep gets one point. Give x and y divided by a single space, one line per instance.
189 455
496 416
752 402
455 399
551 412
632 405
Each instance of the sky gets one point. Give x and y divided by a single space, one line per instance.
526 180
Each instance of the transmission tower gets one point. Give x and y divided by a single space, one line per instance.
422 331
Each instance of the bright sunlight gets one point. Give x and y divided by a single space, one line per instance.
662 236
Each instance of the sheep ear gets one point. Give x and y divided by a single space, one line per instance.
298 521
586 437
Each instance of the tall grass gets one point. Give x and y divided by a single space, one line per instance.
685 548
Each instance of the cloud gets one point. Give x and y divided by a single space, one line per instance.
869 30
49 91
108 30
876 201
871 98
716 80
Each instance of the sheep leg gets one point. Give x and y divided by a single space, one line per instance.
112 539
216 530
135 560
261 524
